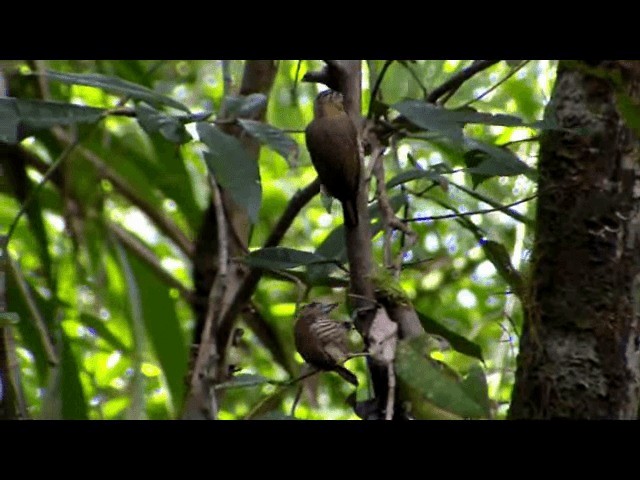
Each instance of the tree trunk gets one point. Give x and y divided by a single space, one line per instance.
579 351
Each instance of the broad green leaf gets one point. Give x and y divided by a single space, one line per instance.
475 385
74 403
430 117
102 330
244 106
414 174
496 161
116 86
273 137
162 326
152 121
243 380
17 302
423 380
232 167
282 258
40 114
457 342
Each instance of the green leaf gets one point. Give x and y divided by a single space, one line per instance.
414 174
424 380
244 106
103 332
40 114
495 161
497 254
243 380
457 342
8 318
233 168
152 121
162 326
74 404
273 137
430 117
282 258
116 86
475 385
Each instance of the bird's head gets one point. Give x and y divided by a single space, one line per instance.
328 103
316 308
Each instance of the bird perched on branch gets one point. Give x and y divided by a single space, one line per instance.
332 141
323 342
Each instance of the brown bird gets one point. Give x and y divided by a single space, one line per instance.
321 341
332 141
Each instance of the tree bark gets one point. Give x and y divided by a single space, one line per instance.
579 352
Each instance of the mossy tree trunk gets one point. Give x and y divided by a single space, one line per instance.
579 352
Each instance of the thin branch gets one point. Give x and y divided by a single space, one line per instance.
207 352
165 225
493 87
413 74
376 87
456 81
136 247
32 194
39 322
466 214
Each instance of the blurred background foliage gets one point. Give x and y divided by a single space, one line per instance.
93 262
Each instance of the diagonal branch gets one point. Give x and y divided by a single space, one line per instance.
165 225
455 81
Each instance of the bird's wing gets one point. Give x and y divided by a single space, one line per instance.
333 337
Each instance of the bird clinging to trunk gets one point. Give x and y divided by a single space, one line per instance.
332 141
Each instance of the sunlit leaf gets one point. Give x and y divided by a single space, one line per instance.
423 380
457 341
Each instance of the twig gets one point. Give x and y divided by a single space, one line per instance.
376 87
493 87
39 322
161 221
413 74
390 220
456 81
207 353
391 393
466 214
146 255
65 153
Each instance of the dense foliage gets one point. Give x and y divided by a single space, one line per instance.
99 271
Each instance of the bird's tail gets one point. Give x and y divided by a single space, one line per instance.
347 375
350 213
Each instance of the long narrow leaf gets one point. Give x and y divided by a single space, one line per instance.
117 86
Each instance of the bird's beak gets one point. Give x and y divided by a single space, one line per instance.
327 307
